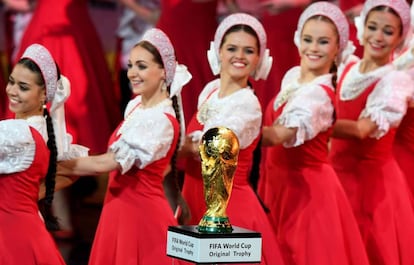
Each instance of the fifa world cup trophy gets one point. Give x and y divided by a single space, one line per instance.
219 150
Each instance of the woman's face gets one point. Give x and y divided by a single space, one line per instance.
318 46
239 55
382 34
146 76
26 97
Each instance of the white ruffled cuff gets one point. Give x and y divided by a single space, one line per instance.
74 151
380 120
124 155
293 122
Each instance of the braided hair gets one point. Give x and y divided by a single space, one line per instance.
45 205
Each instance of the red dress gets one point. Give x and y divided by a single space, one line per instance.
190 25
64 27
244 209
135 217
308 207
23 235
375 186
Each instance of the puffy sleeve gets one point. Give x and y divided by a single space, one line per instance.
17 146
145 138
310 110
242 114
387 103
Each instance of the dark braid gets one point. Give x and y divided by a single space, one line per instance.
254 175
45 205
333 71
174 170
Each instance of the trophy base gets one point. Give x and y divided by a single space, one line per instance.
214 225
189 244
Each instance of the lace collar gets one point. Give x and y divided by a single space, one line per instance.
136 113
213 105
290 85
356 82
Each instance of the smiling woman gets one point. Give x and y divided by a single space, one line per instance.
237 53
136 214
30 145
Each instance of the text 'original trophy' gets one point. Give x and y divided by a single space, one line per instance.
214 240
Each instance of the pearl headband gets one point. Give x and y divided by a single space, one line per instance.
177 75
265 61
44 60
334 14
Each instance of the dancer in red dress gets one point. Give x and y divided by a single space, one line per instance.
372 99
136 214
309 209
30 144
238 51
65 28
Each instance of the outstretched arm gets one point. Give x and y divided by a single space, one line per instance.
277 134
359 129
89 166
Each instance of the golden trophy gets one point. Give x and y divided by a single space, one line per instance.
219 150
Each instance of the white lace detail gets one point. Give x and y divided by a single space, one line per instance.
17 146
355 82
145 136
239 112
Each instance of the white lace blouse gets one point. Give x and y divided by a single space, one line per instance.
387 103
146 135
17 146
308 106
240 112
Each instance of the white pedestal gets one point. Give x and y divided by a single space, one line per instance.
239 246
